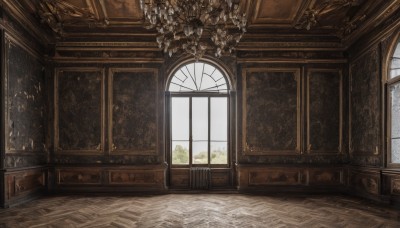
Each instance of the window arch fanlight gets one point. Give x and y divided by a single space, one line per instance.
393 85
198 77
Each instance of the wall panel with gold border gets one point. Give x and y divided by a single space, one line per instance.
271 111
133 111
79 111
324 111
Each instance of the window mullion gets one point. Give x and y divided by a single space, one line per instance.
209 130
190 132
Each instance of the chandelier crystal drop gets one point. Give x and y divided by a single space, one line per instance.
194 26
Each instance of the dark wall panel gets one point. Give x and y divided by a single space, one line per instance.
79 110
364 104
271 111
134 111
25 102
324 111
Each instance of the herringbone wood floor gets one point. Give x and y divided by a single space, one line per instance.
199 210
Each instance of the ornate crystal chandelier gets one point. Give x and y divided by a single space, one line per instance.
193 26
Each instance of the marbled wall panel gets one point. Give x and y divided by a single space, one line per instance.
79 110
324 111
365 104
25 101
134 111
271 111
17 160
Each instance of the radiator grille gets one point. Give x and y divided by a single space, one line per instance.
200 177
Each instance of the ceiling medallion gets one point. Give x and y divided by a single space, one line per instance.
193 26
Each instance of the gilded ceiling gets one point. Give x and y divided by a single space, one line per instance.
341 19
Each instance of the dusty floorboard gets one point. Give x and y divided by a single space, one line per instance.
199 210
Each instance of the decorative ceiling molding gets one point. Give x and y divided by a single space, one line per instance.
340 22
54 12
312 16
375 19
27 21
349 25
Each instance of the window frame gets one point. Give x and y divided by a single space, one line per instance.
192 95
390 82
170 94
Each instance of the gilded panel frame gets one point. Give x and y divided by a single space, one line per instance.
112 148
340 143
100 149
257 151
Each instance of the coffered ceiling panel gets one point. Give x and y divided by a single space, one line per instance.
341 20
121 10
275 12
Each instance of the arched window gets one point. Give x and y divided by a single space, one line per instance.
394 107
199 116
198 77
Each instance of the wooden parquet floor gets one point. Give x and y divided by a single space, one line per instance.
199 210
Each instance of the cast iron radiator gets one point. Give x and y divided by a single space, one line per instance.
200 177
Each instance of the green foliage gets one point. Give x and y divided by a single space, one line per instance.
180 155
219 157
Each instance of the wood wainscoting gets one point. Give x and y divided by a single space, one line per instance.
221 178
291 179
145 178
25 184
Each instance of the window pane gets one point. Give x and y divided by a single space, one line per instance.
395 110
198 70
394 73
180 118
395 65
180 152
395 150
200 118
200 152
219 152
219 119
